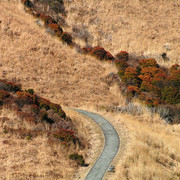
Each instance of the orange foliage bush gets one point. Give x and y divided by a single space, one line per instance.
108 56
131 76
47 19
122 55
148 63
56 28
98 52
132 90
3 94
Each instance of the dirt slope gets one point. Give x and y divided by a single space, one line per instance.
40 61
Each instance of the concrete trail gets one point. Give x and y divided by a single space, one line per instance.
110 150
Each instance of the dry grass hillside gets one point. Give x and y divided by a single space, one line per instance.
30 56
143 27
36 60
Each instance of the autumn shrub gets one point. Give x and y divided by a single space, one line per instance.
148 63
174 71
131 77
108 56
56 29
174 67
78 158
171 95
98 52
87 50
132 91
148 73
149 102
66 38
12 86
122 55
65 135
44 103
35 108
25 98
3 95
47 19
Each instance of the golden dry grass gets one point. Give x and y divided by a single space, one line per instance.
149 148
36 158
35 59
142 27
41 158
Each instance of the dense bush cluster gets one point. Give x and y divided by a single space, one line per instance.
33 109
98 52
122 55
53 28
65 136
144 79
50 24
78 158
150 82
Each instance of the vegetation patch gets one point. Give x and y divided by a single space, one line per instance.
78 158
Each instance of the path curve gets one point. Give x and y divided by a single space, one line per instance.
111 146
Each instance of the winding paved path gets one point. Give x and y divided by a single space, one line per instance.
110 150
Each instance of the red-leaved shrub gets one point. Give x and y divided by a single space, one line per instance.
56 28
148 63
98 52
65 135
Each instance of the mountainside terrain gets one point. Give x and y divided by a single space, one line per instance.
37 60
140 27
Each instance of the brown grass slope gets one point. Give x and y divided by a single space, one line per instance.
142 27
41 62
29 147
56 72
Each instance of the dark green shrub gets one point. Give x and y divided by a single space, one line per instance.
44 117
44 103
66 38
170 95
78 158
